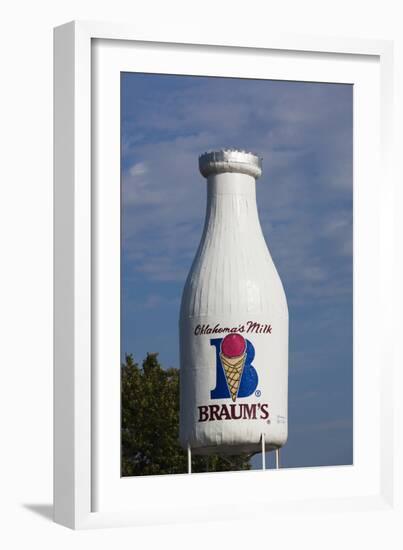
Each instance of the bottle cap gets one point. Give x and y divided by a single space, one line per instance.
230 160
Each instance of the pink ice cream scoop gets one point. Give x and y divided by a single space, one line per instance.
233 345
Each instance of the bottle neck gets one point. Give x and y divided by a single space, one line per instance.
232 185
231 203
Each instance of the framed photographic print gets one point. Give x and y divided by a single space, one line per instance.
239 186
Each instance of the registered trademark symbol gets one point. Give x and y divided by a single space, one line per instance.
258 393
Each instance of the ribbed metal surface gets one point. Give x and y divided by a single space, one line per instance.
233 283
230 160
233 270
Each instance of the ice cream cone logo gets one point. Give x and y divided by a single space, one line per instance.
235 374
233 355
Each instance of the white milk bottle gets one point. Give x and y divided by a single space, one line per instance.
233 322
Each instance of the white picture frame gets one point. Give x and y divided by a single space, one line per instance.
88 491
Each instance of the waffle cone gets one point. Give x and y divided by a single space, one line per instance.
233 367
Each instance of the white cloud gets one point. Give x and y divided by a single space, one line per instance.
138 169
314 274
338 228
154 301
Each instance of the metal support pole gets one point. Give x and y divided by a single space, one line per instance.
263 452
277 459
189 460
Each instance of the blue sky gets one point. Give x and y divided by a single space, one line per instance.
303 131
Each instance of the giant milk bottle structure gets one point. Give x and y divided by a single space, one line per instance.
233 322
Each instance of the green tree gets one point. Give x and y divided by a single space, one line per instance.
150 424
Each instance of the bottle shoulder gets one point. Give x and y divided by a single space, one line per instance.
233 269
229 277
